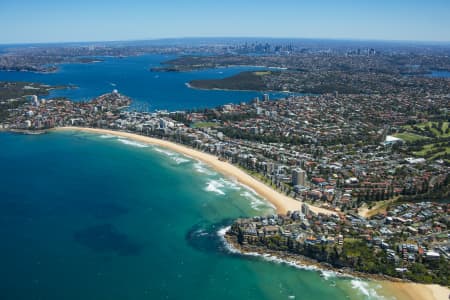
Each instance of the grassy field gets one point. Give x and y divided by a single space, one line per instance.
424 150
204 124
431 127
433 150
433 136
410 137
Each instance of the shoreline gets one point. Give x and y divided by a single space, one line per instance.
25 131
234 90
302 261
281 202
416 291
400 289
188 84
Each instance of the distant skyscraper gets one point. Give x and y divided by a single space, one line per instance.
266 97
298 177
35 100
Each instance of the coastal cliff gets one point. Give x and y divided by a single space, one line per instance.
335 243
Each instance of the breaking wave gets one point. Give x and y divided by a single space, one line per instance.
365 290
107 136
168 153
215 187
201 168
174 156
180 160
256 202
327 274
132 143
230 184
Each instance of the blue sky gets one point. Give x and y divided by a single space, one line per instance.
23 21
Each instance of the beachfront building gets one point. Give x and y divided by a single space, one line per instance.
298 177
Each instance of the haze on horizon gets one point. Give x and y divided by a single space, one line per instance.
30 21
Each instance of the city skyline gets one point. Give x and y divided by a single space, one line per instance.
47 22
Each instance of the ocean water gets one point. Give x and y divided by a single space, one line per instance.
86 216
132 77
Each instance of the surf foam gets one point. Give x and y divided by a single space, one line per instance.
168 153
174 156
215 187
201 168
132 143
255 202
365 289
107 136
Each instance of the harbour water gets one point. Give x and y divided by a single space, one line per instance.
439 74
132 77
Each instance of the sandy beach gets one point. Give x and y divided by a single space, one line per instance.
416 291
282 202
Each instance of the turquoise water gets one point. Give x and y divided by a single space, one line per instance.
86 216
131 76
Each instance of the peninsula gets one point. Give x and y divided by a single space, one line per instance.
242 81
317 71
375 247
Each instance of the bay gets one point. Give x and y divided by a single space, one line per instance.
86 216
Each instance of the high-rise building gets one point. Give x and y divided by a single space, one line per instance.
34 100
305 209
162 123
266 97
298 177
259 110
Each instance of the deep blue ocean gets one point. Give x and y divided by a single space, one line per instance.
85 216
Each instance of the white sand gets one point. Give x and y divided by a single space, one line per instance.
282 202
417 291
